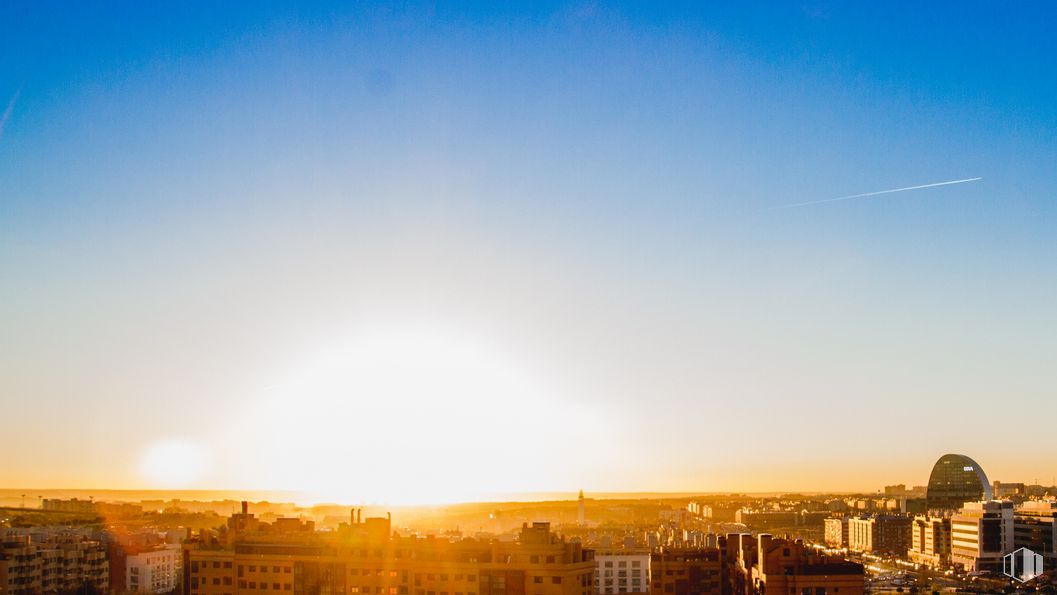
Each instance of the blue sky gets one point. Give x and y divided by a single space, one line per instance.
196 199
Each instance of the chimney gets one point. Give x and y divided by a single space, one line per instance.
245 507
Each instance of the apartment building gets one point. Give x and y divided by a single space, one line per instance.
363 558
881 533
835 531
785 566
154 570
930 541
51 561
686 571
622 571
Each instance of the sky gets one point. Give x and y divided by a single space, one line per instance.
420 252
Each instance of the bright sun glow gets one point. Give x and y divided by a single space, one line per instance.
174 462
412 416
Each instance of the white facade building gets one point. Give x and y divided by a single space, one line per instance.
154 571
622 571
981 534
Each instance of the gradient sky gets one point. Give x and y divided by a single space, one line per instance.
426 252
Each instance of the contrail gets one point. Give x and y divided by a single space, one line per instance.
7 111
865 194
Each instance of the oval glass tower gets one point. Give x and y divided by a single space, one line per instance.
955 480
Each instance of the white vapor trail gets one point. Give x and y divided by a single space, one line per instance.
7 111
865 194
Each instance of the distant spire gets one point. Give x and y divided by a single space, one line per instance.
580 510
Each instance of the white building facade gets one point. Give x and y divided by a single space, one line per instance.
154 571
622 571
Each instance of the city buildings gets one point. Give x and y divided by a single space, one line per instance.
43 560
981 533
363 557
622 571
1006 490
779 519
767 564
72 505
930 541
880 533
699 509
955 480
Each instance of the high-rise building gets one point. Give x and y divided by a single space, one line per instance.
955 480
622 571
930 541
880 533
981 533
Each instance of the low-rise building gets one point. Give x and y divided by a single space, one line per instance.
881 533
